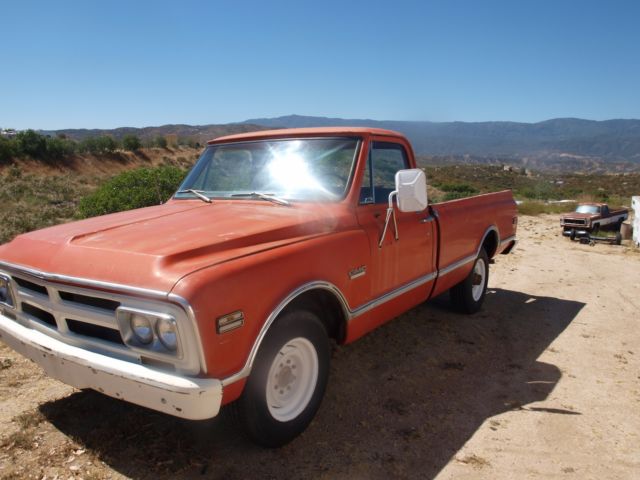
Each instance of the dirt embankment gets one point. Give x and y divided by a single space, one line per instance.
107 164
542 383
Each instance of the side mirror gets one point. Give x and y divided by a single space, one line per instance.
411 188
411 195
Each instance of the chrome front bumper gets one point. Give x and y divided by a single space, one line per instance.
180 396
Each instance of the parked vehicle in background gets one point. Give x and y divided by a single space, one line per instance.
590 218
276 242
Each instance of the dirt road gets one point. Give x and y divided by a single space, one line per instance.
543 383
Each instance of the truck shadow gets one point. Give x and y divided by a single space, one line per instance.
401 402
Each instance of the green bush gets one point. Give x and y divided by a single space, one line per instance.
532 207
132 189
131 143
58 148
102 144
32 144
457 190
8 149
160 142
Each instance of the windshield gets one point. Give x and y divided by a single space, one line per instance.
291 169
587 209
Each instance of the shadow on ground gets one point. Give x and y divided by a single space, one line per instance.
401 402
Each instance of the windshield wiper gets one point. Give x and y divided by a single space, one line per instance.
264 196
197 193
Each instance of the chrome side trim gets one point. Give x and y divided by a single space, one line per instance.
118 288
456 265
392 294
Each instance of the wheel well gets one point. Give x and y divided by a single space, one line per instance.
490 243
327 307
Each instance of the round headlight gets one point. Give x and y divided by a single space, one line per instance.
167 333
141 327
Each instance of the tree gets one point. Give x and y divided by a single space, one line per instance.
131 142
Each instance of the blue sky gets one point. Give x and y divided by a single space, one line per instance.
90 64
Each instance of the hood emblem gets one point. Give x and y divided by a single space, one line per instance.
358 272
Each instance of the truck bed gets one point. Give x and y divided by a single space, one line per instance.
472 217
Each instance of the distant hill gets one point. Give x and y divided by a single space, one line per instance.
201 133
609 140
560 144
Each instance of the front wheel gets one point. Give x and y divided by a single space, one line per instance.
468 295
288 380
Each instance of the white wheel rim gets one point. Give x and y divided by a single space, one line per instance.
479 278
292 379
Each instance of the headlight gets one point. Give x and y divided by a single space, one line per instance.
141 328
166 331
6 298
151 331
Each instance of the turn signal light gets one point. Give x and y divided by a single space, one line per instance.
229 322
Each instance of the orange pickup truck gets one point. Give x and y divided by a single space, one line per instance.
275 243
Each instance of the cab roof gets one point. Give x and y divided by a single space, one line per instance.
306 132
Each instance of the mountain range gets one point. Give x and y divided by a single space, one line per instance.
569 142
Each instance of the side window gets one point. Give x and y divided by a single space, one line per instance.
385 159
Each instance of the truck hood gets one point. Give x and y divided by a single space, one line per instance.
156 246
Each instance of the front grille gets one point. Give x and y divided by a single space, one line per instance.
575 221
85 317
40 314
94 331
69 311
34 287
102 303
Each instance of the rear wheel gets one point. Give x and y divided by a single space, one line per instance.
468 295
288 380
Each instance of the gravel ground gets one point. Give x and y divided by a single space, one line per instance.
544 382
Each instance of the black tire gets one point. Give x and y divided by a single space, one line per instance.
572 236
253 409
618 238
462 294
596 229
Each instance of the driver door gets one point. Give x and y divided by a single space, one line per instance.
401 261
